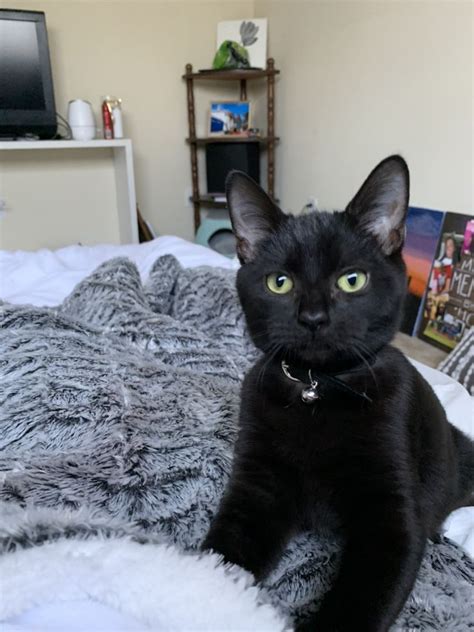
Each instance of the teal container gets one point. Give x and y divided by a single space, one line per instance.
216 233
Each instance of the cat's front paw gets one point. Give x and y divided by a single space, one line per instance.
237 548
214 544
313 625
305 626
220 542
318 623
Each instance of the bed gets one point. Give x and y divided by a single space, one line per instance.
65 587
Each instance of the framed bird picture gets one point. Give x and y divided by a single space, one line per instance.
241 44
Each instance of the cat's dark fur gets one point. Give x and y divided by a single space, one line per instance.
386 472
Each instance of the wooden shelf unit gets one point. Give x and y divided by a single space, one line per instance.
267 142
262 140
231 75
209 201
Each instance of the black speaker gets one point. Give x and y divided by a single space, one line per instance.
223 157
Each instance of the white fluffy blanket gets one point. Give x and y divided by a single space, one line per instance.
159 587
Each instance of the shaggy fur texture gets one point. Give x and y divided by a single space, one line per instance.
149 583
118 416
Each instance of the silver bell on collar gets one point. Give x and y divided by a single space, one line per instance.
310 394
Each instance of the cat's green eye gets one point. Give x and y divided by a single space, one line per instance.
279 283
352 281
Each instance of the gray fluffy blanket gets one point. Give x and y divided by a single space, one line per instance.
118 409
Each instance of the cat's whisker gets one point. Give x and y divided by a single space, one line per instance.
293 401
274 349
362 357
369 353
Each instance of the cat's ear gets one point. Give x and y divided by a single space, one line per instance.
380 207
253 214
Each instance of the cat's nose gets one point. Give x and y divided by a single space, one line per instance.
314 318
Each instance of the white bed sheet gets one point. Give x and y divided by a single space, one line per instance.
46 277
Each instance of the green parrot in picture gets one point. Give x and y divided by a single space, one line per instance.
231 54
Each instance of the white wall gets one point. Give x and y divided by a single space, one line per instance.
362 80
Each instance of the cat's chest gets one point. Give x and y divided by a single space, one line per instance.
323 423
322 514
315 447
318 439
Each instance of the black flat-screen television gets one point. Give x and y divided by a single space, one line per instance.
26 85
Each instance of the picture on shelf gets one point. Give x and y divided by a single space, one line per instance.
229 118
449 304
241 44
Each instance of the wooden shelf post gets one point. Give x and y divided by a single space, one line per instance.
193 146
271 127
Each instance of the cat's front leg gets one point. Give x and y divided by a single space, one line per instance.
253 522
377 573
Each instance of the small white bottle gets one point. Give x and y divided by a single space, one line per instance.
117 120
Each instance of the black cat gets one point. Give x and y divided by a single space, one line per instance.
335 424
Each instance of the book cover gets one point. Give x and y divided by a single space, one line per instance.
449 306
421 242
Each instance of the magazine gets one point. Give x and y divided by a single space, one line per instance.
448 309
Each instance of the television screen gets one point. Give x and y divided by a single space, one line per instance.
21 83
26 87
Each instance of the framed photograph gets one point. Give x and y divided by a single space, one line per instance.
229 118
250 38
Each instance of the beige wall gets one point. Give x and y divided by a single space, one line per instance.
361 80
137 49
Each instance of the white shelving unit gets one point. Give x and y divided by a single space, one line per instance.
65 144
123 171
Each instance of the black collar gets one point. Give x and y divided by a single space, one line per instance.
318 385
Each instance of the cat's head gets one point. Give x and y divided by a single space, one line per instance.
324 288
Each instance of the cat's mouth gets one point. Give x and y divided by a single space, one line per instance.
303 346
312 349
314 354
